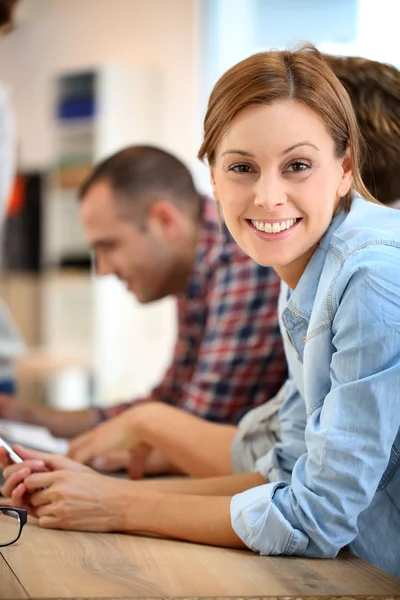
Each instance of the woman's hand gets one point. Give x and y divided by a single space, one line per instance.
77 500
33 462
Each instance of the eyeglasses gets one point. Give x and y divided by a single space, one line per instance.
12 521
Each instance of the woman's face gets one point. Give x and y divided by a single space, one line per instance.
279 182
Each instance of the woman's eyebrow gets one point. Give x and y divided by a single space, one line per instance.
241 152
305 143
249 154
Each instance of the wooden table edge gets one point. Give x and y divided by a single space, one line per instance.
286 597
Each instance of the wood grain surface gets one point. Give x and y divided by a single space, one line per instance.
58 564
9 584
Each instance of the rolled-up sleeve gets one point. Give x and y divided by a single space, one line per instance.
253 513
349 434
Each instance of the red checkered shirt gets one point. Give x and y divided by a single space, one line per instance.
228 357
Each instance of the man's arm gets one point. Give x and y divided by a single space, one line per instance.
61 423
69 424
195 446
240 361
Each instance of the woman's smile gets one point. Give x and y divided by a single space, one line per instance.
273 230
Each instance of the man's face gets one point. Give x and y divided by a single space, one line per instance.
138 253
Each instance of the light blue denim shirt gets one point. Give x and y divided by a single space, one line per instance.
335 477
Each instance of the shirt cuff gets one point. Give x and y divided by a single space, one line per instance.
105 414
261 526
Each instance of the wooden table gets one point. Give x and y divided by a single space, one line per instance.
63 564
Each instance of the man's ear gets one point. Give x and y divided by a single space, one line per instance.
347 175
164 219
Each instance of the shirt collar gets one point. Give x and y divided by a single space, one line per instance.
301 299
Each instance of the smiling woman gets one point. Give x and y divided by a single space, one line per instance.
278 178
284 151
283 156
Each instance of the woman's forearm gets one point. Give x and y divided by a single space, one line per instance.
195 446
228 485
191 518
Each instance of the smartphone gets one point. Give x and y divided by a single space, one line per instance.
11 453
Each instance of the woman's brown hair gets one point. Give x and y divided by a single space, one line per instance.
302 75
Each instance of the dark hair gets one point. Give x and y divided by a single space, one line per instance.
302 75
374 89
6 13
140 174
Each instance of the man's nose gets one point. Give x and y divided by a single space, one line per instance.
102 266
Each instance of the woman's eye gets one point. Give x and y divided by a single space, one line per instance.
241 168
298 166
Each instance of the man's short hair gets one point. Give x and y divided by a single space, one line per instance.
374 89
139 175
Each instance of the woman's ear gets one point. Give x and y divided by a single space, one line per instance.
217 202
347 175
213 184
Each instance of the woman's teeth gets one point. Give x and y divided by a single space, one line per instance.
273 227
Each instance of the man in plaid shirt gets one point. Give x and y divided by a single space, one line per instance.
228 357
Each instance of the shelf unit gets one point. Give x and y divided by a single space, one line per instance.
97 112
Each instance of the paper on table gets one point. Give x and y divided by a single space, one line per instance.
32 436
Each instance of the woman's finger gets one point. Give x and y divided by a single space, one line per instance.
32 454
17 496
37 481
49 522
40 498
32 464
4 458
47 510
14 480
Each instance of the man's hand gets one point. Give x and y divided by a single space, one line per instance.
142 460
117 435
139 459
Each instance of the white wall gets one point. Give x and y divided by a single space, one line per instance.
52 35
237 28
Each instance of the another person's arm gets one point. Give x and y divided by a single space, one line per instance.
61 423
69 424
193 445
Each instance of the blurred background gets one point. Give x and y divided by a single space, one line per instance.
88 77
